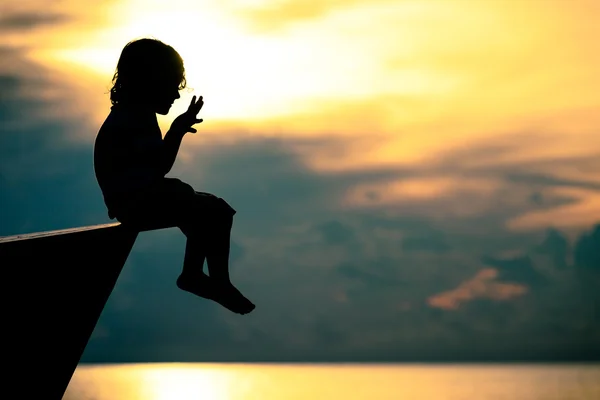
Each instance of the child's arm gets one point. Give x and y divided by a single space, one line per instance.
171 144
180 126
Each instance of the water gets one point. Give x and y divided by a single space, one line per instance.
347 382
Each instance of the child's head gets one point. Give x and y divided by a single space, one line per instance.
150 74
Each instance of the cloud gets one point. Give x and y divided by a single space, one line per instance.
555 245
24 21
482 285
49 179
373 276
587 249
394 276
336 233
351 262
271 16
431 242
515 269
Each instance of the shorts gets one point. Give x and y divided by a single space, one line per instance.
170 202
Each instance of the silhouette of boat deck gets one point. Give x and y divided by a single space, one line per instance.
56 285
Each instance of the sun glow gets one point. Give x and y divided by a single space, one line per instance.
240 74
175 382
245 74
418 79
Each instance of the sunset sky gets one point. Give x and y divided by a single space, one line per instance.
414 179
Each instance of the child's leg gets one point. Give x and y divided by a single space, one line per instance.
206 221
213 220
195 253
211 230
169 202
178 201
217 256
192 278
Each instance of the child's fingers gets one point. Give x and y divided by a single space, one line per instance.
192 130
198 121
199 104
193 101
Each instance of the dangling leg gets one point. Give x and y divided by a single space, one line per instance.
217 258
195 253
192 278
218 244
209 234
217 287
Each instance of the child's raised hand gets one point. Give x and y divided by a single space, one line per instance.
183 123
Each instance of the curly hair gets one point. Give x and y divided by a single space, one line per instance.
143 65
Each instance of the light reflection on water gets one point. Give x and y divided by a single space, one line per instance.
348 382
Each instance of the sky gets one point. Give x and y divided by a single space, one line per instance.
414 180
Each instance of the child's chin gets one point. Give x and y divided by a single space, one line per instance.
163 110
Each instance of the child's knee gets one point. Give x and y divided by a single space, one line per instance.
224 215
178 187
225 209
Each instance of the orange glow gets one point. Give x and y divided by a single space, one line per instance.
347 381
481 285
398 83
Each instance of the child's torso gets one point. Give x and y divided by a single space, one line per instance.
127 152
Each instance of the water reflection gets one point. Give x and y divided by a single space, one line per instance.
158 382
348 382
186 382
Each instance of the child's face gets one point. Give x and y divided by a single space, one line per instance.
164 96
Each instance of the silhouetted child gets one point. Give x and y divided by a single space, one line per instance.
131 159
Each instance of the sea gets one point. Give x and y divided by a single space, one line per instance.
183 381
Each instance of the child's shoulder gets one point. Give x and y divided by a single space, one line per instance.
122 121
118 119
114 125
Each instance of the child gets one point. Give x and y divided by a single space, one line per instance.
131 159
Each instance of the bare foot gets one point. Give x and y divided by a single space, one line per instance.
198 285
224 294
230 297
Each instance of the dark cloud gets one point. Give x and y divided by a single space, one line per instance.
587 249
556 245
379 286
545 180
433 242
336 233
518 269
49 180
490 158
371 275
